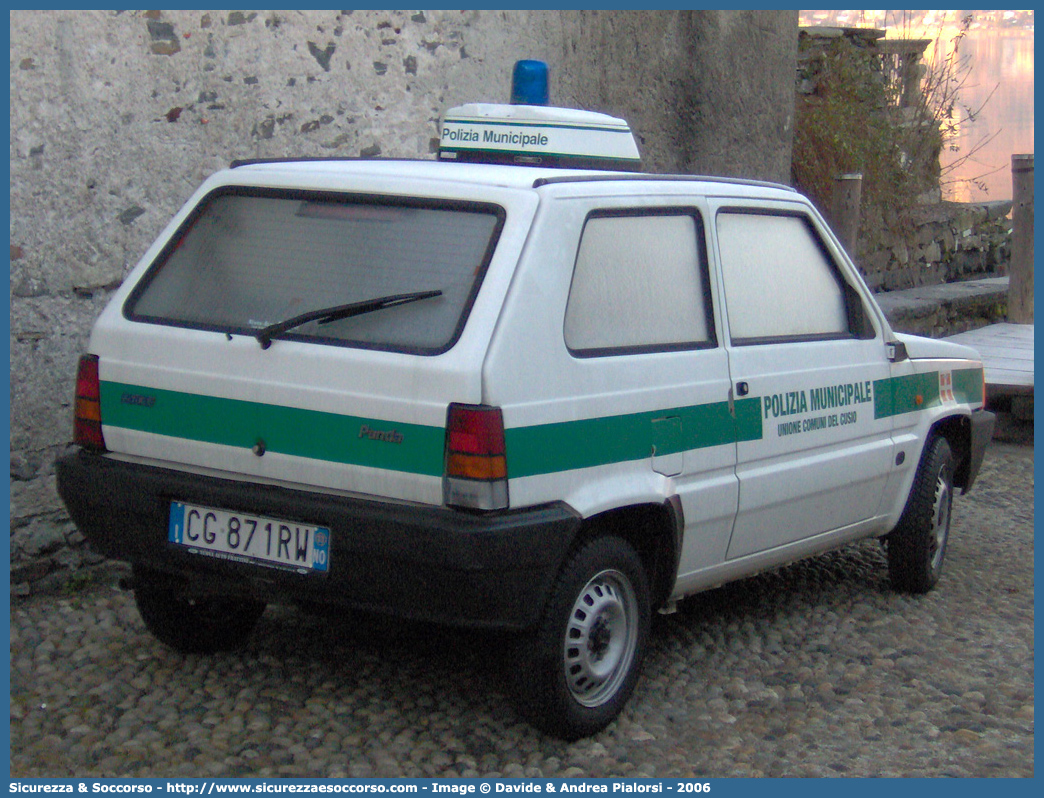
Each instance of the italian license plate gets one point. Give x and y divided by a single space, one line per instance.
238 537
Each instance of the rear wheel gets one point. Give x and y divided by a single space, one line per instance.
201 625
917 546
576 671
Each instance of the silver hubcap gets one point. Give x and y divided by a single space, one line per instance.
940 519
600 638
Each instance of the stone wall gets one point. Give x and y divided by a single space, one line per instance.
730 114
939 243
117 116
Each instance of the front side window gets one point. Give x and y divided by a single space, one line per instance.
639 284
249 259
780 283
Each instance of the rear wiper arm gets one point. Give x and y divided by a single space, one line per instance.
326 315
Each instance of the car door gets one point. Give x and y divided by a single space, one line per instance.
619 395
801 341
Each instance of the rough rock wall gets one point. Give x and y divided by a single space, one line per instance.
945 242
116 117
729 111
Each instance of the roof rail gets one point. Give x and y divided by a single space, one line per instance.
544 181
235 164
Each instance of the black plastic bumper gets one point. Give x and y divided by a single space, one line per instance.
981 431
430 563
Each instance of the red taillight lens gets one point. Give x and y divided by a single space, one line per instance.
476 461
87 429
475 443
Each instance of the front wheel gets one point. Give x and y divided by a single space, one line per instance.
576 671
917 546
200 625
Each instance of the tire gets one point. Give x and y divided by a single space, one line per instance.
576 671
917 546
203 625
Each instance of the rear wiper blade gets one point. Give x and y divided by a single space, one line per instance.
265 335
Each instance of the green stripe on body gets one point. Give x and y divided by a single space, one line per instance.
531 451
550 448
286 430
968 386
539 449
896 396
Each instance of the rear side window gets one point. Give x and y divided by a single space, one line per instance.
247 259
640 284
780 282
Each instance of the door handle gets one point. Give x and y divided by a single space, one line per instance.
742 389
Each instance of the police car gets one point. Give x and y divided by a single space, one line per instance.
521 387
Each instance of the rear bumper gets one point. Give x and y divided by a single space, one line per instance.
430 563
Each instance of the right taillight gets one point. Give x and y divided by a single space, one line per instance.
87 428
476 458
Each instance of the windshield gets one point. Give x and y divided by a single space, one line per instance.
247 260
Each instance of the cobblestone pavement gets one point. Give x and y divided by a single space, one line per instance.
813 670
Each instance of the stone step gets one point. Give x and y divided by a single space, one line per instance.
938 311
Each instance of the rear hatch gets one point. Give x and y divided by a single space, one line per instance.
309 326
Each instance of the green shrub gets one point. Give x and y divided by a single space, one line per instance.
853 122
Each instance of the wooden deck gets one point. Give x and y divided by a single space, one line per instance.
1007 354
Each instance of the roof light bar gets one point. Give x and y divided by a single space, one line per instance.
535 134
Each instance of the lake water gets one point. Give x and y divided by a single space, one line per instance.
1001 62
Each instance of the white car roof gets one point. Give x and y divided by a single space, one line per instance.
485 174
305 172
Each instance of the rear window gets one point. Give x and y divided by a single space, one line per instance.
248 259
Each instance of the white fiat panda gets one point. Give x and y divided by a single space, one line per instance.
505 389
